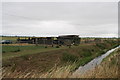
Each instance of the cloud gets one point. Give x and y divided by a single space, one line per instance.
48 28
41 28
53 19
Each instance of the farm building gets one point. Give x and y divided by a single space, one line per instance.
69 40
35 40
24 40
61 40
42 40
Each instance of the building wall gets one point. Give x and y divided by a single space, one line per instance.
61 40
69 40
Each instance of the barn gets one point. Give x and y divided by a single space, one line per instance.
60 40
69 40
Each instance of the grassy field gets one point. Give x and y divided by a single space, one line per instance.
38 60
107 69
7 49
17 51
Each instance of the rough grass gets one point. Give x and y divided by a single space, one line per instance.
8 49
17 51
42 63
55 72
69 57
107 69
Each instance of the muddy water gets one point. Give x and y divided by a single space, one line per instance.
94 62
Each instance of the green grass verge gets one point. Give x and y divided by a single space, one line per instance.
11 51
87 53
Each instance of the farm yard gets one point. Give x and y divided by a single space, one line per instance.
25 60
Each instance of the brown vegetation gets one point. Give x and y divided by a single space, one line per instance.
52 64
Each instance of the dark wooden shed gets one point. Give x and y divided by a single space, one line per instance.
69 40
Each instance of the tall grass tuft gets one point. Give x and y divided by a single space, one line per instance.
67 57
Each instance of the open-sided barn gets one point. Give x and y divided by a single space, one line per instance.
61 40
69 40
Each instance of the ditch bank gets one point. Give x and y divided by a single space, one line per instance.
93 63
42 62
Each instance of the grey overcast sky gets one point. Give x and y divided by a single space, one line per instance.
87 19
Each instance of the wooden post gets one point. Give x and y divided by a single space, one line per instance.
36 41
52 42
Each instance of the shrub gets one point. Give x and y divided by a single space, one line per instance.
102 46
3 51
115 45
16 50
25 57
69 57
45 46
83 62
57 46
85 53
102 52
